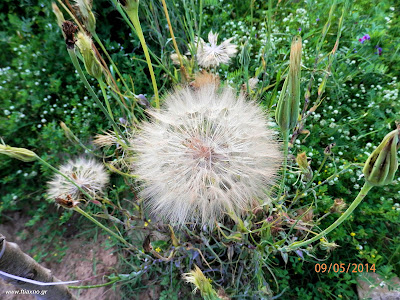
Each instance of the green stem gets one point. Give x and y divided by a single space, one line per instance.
85 214
103 91
364 191
285 155
134 17
124 16
74 59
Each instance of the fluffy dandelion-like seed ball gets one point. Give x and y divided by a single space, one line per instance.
88 174
206 153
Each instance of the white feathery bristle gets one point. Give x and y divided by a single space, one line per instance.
207 153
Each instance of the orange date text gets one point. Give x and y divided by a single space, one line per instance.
344 268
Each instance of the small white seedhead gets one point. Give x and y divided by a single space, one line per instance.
211 55
88 174
205 154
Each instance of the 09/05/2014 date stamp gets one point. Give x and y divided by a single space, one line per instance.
344 268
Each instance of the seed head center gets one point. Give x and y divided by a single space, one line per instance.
200 150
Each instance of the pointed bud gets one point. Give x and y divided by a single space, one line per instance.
305 168
288 107
90 23
18 153
68 133
382 164
92 64
59 14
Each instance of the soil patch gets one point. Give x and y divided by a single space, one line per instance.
84 259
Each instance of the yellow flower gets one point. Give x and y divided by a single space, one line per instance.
158 249
352 234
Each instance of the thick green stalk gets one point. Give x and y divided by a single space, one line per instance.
285 155
364 191
74 59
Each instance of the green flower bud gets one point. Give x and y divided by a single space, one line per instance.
92 64
288 107
90 23
131 6
18 153
305 168
85 9
68 133
382 164
59 14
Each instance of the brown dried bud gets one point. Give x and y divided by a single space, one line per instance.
67 202
147 244
328 149
69 30
338 205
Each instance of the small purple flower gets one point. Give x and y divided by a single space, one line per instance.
317 20
123 121
379 50
299 29
364 38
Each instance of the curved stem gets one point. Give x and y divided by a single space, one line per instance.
172 32
134 17
364 191
85 214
